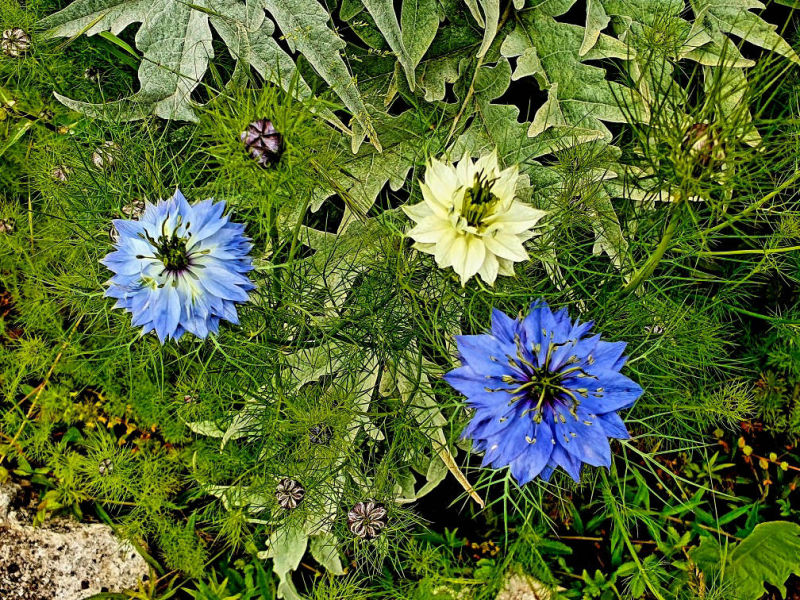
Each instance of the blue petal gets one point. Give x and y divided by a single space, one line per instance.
535 457
582 437
606 354
501 449
486 354
566 461
503 326
614 426
470 382
618 391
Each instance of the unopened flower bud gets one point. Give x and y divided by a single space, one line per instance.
263 142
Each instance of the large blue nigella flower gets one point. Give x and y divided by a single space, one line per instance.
180 267
545 392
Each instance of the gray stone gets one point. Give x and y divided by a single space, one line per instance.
62 559
524 587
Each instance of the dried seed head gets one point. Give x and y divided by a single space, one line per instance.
132 209
105 155
60 173
263 142
320 434
289 493
15 42
106 467
367 519
92 74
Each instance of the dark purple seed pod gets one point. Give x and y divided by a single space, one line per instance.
367 519
15 42
320 434
263 142
289 493
92 74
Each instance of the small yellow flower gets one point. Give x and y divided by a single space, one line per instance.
470 219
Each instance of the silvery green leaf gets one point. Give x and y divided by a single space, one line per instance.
207 428
265 56
437 471
311 364
491 17
475 10
415 390
608 233
579 96
240 425
730 86
286 548
383 13
735 17
450 53
433 75
405 486
324 549
404 138
420 22
235 497
174 38
304 24
497 125
596 21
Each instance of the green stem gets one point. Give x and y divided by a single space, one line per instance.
618 522
755 206
652 261
765 251
471 90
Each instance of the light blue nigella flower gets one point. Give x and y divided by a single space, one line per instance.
180 267
545 392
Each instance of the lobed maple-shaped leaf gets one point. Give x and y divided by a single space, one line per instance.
175 40
579 97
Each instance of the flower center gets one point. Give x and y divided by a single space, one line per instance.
541 385
479 201
171 251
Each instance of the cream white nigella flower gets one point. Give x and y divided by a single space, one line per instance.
469 218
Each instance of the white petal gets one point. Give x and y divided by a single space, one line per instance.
489 268
441 178
439 204
488 164
506 267
468 253
430 230
506 246
417 212
505 187
520 217
426 248
465 170
443 255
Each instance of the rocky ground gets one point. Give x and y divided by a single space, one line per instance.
61 559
